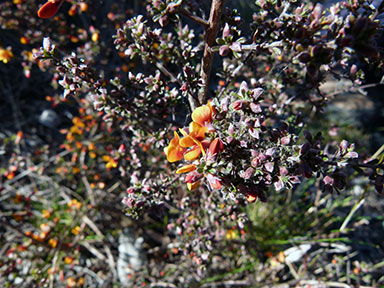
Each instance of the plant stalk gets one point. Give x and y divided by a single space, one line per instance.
211 32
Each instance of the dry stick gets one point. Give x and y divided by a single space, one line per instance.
111 261
217 7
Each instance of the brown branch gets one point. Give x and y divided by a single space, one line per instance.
217 7
195 18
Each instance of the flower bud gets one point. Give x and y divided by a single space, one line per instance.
269 166
193 177
47 44
214 181
226 31
239 105
216 146
224 50
283 171
256 108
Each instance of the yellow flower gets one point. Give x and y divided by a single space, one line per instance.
95 37
231 234
5 55
111 163
76 230
74 203
71 282
45 214
45 227
52 242
68 260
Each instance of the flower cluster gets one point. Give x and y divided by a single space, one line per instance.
195 144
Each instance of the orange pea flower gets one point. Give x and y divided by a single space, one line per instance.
194 141
5 55
192 186
193 144
203 115
174 151
186 169
49 9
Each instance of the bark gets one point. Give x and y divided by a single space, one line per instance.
211 32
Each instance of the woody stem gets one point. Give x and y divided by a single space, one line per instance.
211 32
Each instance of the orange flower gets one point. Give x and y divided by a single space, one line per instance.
71 282
192 186
45 213
76 230
203 115
68 260
196 131
111 163
5 55
52 242
83 7
49 9
193 136
186 169
251 196
174 151
193 141
75 204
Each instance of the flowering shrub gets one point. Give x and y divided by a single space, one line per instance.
178 97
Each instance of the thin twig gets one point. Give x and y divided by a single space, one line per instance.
253 47
111 261
90 191
356 207
163 284
94 251
352 89
54 263
229 283
211 32
195 18
90 273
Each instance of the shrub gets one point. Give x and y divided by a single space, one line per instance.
238 97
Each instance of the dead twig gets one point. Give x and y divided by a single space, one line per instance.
111 260
229 283
90 193
94 251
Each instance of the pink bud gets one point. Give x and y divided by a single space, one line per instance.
214 181
226 31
